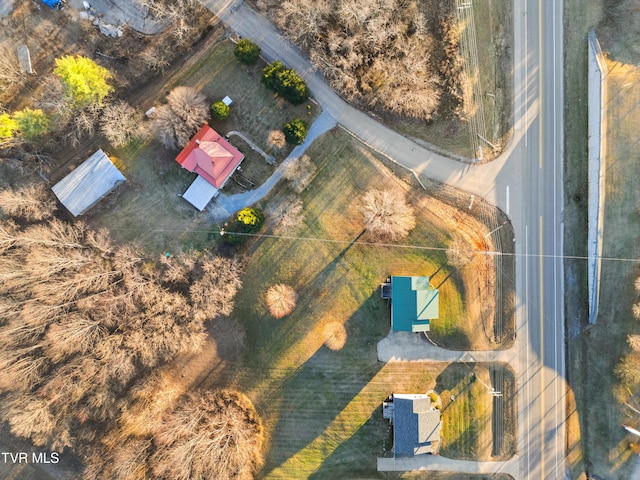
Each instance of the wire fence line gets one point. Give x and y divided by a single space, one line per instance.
472 88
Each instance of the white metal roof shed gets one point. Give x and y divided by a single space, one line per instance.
90 182
200 193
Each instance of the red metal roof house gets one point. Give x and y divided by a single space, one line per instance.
214 159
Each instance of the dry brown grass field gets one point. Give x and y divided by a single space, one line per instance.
597 444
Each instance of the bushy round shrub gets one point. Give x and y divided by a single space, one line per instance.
247 221
219 110
285 82
246 51
295 131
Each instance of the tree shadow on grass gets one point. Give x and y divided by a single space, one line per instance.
313 398
356 456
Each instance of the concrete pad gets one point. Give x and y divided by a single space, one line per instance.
413 347
133 13
438 463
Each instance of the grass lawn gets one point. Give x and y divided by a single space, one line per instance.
147 209
451 476
255 110
467 412
322 406
607 445
579 18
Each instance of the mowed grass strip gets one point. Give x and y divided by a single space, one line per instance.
322 406
467 408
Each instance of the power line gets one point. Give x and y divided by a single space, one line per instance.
221 232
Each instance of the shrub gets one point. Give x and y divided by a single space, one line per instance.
246 51
219 110
285 82
7 126
295 131
31 123
248 220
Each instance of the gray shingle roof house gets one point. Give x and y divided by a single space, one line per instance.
416 424
88 184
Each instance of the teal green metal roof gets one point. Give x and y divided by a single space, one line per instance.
414 302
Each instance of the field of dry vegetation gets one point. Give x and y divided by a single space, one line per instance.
604 357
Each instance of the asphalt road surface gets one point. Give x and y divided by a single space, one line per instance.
525 182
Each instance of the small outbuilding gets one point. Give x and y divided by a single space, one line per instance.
89 183
414 303
24 59
415 422
214 159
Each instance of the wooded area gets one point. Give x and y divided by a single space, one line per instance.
399 56
82 322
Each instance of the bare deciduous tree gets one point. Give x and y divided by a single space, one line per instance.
628 369
459 253
381 52
83 123
10 72
281 300
81 319
299 172
386 214
335 335
276 141
219 275
209 435
285 213
155 58
634 342
32 202
190 105
169 128
120 123
180 14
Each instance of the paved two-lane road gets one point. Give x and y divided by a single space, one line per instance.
525 182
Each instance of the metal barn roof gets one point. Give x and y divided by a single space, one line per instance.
90 182
414 303
200 193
